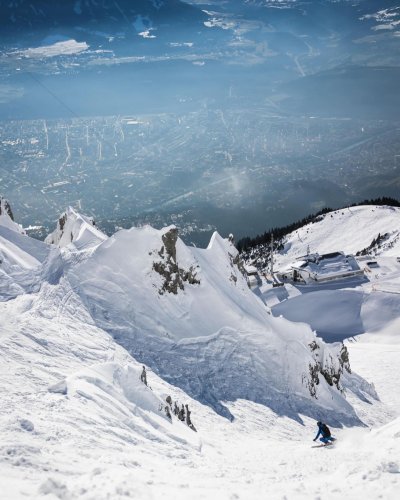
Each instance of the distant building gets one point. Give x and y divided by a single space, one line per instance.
315 268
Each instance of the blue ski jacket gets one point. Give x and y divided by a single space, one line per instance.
320 431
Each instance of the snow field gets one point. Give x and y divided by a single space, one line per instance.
349 230
78 423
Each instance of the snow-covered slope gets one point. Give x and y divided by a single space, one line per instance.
165 302
24 262
345 307
350 230
70 395
78 422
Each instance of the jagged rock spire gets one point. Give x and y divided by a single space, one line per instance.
5 208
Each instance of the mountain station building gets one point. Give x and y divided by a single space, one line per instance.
314 268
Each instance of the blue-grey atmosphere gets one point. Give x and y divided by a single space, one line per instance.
235 115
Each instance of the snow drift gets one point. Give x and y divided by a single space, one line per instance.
25 263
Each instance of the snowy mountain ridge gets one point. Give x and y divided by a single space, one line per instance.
160 300
81 319
77 229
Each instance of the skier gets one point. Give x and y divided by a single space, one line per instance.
326 438
143 376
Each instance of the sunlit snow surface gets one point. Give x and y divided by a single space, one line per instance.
78 423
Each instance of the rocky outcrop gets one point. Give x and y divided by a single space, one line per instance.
174 277
5 208
330 365
7 217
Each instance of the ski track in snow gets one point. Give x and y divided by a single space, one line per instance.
77 422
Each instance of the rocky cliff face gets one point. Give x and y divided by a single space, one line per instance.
174 277
5 208
330 365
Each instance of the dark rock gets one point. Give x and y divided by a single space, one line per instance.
5 208
174 276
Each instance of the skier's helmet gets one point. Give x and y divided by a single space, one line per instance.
319 423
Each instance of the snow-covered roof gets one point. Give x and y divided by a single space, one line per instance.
339 264
327 265
251 269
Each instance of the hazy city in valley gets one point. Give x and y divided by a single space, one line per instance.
238 171
235 116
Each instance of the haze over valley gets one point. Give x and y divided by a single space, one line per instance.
236 116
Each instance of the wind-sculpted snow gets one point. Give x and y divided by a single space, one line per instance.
212 337
25 263
77 229
118 389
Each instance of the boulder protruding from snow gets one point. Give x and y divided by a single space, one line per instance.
75 228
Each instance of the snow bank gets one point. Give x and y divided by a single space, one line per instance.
119 393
